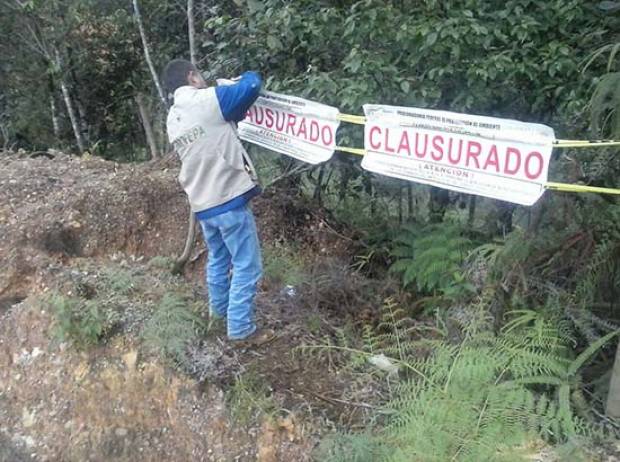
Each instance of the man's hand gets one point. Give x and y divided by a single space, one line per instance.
226 82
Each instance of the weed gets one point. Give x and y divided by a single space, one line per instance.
118 281
481 399
173 326
432 256
314 323
161 262
282 266
249 397
83 322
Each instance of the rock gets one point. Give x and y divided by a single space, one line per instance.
121 432
28 418
384 363
130 359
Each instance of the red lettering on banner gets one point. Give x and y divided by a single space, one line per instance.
438 145
492 159
473 151
539 157
314 131
291 124
279 117
302 128
404 144
457 159
371 132
507 169
421 154
249 115
387 141
268 118
327 140
259 120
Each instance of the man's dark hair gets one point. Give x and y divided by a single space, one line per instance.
175 74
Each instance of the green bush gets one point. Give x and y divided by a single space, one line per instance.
431 256
82 322
173 326
483 399
282 266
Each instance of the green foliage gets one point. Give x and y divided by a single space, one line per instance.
83 322
351 447
282 265
161 262
117 281
604 116
432 257
248 397
484 398
173 326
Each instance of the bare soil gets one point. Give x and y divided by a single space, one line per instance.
62 221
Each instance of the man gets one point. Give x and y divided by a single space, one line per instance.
219 180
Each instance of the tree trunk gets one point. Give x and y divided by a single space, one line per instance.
368 188
180 262
147 54
146 123
612 407
400 205
410 201
69 104
82 118
437 204
472 211
318 189
81 111
191 227
191 32
53 108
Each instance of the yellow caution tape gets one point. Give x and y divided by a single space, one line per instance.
565 187
580 188
356 151
561 144
352 119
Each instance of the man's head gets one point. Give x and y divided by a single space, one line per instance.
180 72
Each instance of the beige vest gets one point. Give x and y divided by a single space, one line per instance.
213 169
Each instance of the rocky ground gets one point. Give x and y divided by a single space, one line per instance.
66 224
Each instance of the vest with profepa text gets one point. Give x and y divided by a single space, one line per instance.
213 169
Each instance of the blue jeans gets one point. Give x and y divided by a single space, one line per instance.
232 242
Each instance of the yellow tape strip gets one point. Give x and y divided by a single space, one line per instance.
565 187
353 119
356 151
580 188
560 144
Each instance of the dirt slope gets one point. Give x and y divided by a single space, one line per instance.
52 210
63 223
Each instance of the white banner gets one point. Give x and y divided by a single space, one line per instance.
498 158
293 126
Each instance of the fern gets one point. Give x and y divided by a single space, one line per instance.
172 328
605 119
431 257
480 400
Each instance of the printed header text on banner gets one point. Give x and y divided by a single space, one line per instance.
498 158
293 126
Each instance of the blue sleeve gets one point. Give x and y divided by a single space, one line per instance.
235 100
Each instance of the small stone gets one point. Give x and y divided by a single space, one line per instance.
130 359
28 419
120 432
